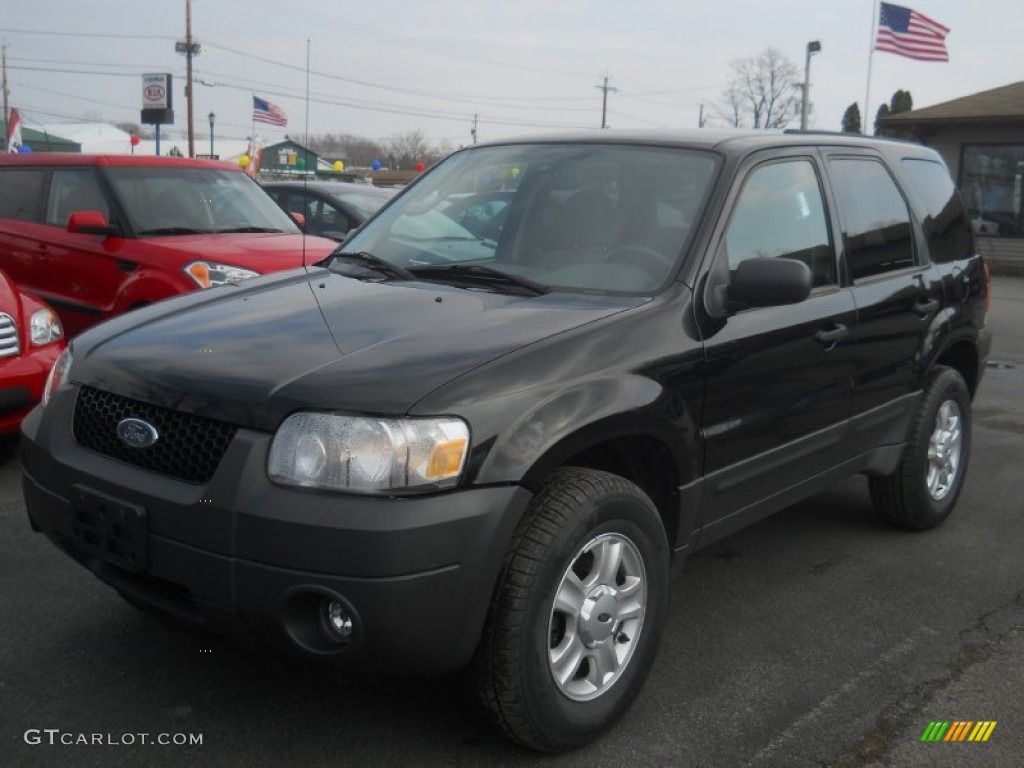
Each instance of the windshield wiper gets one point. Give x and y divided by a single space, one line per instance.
174 231
482 275
248 229
375 263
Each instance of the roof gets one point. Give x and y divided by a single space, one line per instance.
998 104
40 141
731 141
64 158
331 187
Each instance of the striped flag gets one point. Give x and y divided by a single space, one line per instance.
14 132
265 112
908 33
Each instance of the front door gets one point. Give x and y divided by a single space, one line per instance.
778 389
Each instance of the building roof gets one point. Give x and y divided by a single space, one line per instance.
999 104
40 141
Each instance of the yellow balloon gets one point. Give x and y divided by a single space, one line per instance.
243 161
339 166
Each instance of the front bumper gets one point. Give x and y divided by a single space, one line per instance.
251 559
22 380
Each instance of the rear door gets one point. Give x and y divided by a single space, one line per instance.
779 378
898 295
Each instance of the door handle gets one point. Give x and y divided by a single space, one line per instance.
925 307
829 338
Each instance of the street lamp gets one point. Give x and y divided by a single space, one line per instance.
212 118
813 47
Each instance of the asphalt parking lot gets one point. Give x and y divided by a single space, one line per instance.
817 637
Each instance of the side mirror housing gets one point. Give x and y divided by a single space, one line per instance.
299 219
90 223
769 283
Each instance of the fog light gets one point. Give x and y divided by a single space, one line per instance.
336 620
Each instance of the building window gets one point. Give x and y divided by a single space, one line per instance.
991 182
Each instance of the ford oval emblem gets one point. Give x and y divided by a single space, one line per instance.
137 433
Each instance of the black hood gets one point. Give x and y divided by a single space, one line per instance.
253 354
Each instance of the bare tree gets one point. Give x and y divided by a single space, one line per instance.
357 151
408 148
763 91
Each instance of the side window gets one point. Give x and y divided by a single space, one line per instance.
71 190
948 228
21 191
780 213
332 219
875 218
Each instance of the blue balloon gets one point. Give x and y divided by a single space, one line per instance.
375 165
24 149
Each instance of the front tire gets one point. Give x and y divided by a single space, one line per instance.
573 629
923 490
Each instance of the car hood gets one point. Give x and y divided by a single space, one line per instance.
253 354
261 251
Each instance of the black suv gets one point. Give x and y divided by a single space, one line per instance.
445 447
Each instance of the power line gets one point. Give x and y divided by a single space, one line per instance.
85 34
407 41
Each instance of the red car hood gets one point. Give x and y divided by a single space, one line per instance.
262 251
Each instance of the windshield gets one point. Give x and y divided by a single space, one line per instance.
585 217
183 200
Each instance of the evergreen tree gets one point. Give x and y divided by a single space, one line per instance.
851 119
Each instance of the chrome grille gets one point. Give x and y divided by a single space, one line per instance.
8 336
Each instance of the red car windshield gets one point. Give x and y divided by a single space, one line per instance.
173 201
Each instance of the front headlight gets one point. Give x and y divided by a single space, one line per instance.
366 454
45 326
58 374
209 273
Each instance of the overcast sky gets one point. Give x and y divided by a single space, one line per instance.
383 67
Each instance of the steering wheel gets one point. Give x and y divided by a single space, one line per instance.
642 256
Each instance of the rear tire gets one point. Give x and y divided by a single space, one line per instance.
923 490
574 626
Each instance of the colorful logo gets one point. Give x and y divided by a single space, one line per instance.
959 730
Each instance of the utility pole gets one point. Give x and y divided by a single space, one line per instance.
7 112
188 75
700 119
472 131
604 100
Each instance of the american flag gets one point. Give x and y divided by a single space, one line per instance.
908 33
265 112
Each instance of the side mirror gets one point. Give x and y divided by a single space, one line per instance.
769 283
299 219
90 223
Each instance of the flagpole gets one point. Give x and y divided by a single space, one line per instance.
871 57
252 132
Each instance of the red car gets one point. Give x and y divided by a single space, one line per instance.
97 235
31 340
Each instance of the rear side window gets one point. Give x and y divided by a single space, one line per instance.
72 190
780 214
875 217
21 191
948 229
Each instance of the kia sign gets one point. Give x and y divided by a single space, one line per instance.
156 91
157 108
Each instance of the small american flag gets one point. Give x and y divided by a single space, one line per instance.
265 112
908 33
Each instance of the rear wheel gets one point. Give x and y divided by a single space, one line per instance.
923 490
575 624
